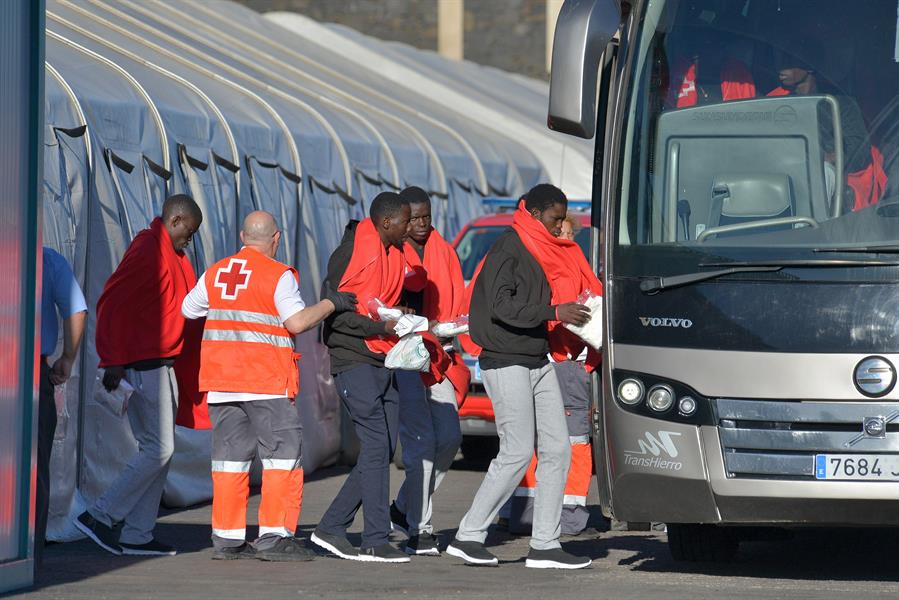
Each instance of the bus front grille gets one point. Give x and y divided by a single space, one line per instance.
779 439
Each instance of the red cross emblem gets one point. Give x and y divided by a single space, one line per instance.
233 279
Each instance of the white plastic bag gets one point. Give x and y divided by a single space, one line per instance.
452 328
115 401
591 332
409 354
62 412
378 310
410 324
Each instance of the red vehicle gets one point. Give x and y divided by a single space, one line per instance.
472 243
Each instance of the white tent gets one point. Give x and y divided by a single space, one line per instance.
145 99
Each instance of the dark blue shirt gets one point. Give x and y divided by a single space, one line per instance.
59 292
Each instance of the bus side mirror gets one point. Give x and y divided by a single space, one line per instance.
583 30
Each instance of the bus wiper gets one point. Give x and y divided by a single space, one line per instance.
892 249
654 285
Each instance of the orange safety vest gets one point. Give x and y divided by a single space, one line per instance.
245 346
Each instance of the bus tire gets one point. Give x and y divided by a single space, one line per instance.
693 542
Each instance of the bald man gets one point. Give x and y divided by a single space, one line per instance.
248 368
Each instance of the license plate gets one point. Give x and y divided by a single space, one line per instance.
857 467
477 371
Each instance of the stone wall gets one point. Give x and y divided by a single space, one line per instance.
508 34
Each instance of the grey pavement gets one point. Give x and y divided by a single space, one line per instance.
810 564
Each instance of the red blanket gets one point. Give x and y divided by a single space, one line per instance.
374 272
439 276
139 313
568 273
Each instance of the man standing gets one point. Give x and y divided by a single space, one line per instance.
140 333
511 305
368 262
248 368
429 421
59 292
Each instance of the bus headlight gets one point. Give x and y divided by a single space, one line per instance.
630 391
660 398
686 406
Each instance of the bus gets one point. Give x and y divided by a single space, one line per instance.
747 159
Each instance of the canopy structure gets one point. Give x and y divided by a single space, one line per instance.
242 112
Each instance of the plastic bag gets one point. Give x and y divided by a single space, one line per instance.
451 328
115 401
381 312
62 412
409 354
410 324
591 332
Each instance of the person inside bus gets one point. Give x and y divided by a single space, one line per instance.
703 78
866 179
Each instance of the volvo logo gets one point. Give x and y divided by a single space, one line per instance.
666 322
874 376
875 427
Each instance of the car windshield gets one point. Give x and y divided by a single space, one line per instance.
756 129
478 239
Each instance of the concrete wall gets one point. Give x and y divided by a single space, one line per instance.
509 34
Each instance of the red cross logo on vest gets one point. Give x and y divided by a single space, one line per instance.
233 279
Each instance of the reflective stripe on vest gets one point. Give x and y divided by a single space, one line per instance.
246 316
235 335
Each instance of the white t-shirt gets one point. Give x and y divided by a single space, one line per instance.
288 302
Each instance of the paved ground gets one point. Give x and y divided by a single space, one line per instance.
817 564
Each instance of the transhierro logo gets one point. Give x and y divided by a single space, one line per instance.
666 322
652 451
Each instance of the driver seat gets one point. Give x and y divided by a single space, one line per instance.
745 197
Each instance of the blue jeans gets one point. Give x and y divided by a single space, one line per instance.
372 400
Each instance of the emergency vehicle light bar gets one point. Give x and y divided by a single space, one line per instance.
512 203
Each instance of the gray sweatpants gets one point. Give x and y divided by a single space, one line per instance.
430 436
528 407
135 494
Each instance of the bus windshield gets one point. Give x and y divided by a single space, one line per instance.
757 130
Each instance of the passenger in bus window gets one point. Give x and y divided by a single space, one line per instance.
863 161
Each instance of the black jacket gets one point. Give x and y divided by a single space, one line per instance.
344 334
510 305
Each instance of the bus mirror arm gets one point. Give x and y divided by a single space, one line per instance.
583 30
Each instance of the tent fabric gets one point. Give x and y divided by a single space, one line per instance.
153 97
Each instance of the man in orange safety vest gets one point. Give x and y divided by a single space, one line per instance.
248 368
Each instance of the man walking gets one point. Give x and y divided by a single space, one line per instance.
248 368
429 421
140 333
511 305
368 262
59 292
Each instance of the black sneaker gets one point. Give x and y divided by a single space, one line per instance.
286 549
474 553
383 553
245 550
398 520
555 558
105 536
422 544
151 548
335 544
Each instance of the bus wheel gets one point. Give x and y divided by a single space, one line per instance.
701 543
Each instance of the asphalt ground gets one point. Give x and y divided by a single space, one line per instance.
627 564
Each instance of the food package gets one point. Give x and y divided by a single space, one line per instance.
409 354
410 324
451 328
381 312
591 332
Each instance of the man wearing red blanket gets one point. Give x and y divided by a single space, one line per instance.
369 262
429 420
139 335
525 290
